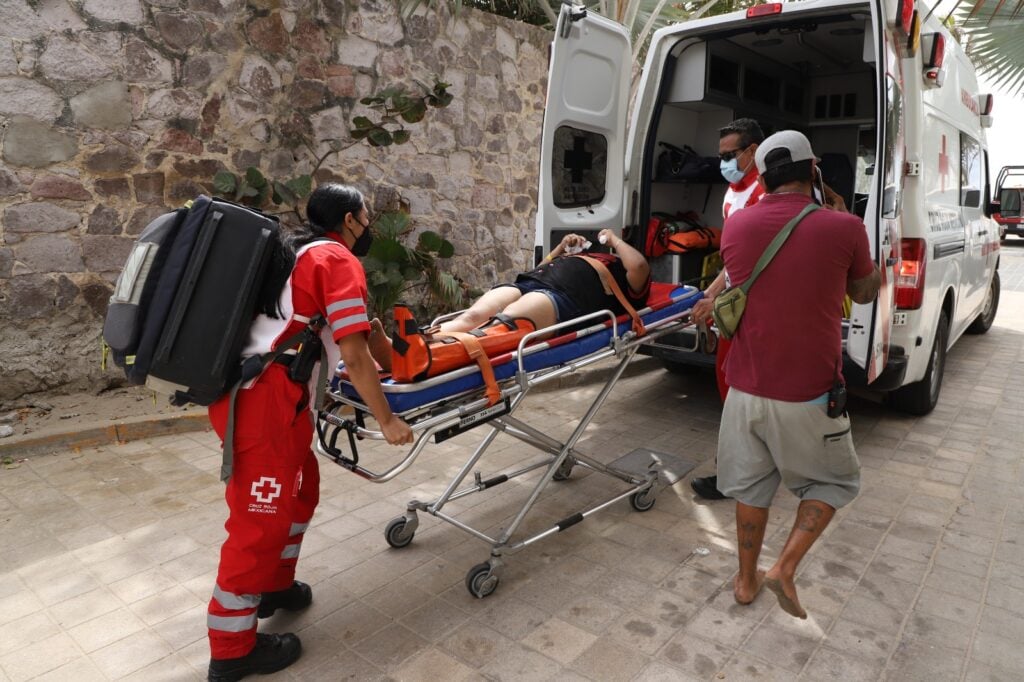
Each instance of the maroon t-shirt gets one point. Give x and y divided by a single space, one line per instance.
789 342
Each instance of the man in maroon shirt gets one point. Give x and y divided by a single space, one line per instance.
785 357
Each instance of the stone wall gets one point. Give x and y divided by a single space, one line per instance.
114 110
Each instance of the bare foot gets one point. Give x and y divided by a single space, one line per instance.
785 592
745 595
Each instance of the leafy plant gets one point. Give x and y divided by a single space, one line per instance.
393 270
395 107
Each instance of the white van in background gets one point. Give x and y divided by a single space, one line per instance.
890 104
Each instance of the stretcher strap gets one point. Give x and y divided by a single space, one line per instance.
477 354
612 287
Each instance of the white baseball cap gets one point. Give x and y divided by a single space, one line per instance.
785 147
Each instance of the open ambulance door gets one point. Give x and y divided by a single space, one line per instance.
582 163
868 337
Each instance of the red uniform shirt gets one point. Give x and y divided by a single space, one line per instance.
789 343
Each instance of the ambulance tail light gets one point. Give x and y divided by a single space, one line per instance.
764 10
904 16
910 280
985 104
938 52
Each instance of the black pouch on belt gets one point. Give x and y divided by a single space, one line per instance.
837 399
301 367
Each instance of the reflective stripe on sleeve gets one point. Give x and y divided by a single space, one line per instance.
347 303
343 322
298 528
231 623
229 600
291 551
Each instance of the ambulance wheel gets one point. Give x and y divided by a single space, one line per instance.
984 321
396 534
564 470
921 396
643 500
480 581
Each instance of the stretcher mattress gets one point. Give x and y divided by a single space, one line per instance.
665 301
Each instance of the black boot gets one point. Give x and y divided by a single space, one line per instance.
271 653
294 598
707 488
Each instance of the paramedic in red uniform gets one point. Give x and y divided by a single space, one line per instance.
737 144
274 486
785 358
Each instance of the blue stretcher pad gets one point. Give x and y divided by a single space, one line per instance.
542 355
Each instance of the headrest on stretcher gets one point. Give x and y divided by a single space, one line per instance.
665 300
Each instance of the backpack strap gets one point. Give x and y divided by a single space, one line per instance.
253 367
477 354
612 287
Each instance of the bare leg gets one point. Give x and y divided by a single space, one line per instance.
812 517
380 344
485 307
534 306
750 525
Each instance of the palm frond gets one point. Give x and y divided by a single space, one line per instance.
992 41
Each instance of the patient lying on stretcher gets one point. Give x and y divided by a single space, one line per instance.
561 288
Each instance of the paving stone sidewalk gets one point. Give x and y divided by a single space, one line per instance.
108 555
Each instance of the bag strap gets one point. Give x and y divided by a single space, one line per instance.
256 369
477 355
612 287
775 245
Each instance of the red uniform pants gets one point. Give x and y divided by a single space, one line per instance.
720 355
271 495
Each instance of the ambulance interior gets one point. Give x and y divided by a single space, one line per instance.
813 74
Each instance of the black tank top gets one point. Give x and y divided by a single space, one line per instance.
578 280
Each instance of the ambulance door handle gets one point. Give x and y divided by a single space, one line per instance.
889 262
981 233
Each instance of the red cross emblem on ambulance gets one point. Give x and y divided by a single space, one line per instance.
266 489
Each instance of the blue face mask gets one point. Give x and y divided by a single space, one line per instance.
730 170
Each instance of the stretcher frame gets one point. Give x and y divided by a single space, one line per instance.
464 412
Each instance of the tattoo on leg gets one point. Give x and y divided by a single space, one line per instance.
808 519
747 532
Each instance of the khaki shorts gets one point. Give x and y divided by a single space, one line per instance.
764 442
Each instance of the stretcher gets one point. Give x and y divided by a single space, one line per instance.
449 404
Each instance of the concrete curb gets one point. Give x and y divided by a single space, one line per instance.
110 433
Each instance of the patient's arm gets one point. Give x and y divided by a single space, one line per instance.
637 269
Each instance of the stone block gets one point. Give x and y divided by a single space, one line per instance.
312 39
258 78
149 187
154 159
66 60
178 31
112 187
201 69
505 43
180 141
31 297
183 190
307 94
203 169
174 103
143 216
9 183
354 51
20 22
309 66
114 158
105 220
243 158
210 116
60 16
50 253
6 262
268 34
25 97
59 187
341 80
8 62
38 216
107 105
380 28
96 294
143 64
115 11
104 253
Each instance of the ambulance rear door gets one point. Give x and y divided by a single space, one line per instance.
582 172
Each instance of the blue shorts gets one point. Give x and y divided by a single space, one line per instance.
565 308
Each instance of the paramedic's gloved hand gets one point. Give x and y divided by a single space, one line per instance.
396 431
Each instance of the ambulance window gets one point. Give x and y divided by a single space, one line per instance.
970 171
892 180
578 167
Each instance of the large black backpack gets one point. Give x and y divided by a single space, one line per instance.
182 307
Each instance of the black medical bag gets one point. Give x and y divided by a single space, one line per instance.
183 305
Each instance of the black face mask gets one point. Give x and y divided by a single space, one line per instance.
361 246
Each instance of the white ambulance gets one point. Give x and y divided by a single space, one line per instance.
890 104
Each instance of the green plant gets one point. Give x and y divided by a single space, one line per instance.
393 269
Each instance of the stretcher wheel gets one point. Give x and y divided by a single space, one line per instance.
643 500
480 581
396 535
564 470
